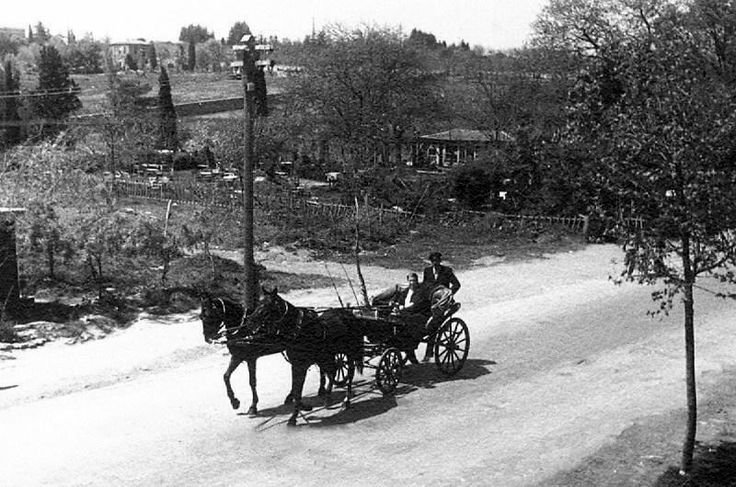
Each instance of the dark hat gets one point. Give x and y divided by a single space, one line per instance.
434 256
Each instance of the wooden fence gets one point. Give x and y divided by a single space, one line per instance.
191 194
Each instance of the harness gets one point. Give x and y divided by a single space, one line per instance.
222 329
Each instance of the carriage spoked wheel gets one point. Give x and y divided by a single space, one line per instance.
452 343
341 370
390 368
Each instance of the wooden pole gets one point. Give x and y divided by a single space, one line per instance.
249 87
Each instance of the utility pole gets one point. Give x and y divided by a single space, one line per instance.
249 87
251 55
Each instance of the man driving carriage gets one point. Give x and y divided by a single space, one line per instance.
440 275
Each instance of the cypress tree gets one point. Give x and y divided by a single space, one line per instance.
30 34
167 123
57 92
192 56
10 114
152 57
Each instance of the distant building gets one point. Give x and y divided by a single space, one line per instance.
457 146
139 50
13 32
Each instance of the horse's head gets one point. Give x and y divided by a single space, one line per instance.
268 317
218 315
212 314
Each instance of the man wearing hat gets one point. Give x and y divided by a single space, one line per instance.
439 275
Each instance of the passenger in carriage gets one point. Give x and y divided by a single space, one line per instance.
414 308
414 299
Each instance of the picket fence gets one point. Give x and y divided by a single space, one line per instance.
228 198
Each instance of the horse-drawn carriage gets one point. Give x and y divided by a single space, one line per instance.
338 340
391 338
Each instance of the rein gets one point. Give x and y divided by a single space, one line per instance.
223 330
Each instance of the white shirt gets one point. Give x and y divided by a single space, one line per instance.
407 300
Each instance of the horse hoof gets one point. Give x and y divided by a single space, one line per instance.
235 403
252 412
291 422
289 399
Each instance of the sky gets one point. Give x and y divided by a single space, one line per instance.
493 24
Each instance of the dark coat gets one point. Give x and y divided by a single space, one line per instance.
445 277
419 299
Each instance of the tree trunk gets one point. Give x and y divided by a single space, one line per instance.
361 280
688 446
50 257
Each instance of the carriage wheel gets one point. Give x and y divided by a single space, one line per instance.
452 343
341 370
388 373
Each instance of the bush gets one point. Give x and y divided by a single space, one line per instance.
7 332
472 185
182 161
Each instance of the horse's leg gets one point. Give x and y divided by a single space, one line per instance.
330 375
253 409
322 391
351 374
234 362
298 374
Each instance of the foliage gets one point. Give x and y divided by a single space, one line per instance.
152 57
84 56
654 107
42 34
46 234
194 34
191 56
237 31
210 55
56 95
127 126
9 45
167 114
13 132
363 90
130 62
472 185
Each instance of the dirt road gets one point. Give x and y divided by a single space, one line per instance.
561 361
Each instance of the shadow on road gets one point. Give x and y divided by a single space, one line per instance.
426 375
712 467
367 401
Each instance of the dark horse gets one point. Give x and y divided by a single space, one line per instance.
223 318
309 338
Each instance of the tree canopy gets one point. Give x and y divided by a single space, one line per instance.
364 87
56 95
653 108
194 34
237 31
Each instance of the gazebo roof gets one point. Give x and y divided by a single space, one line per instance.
469 135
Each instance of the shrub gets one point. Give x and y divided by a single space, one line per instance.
7 332
472 185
